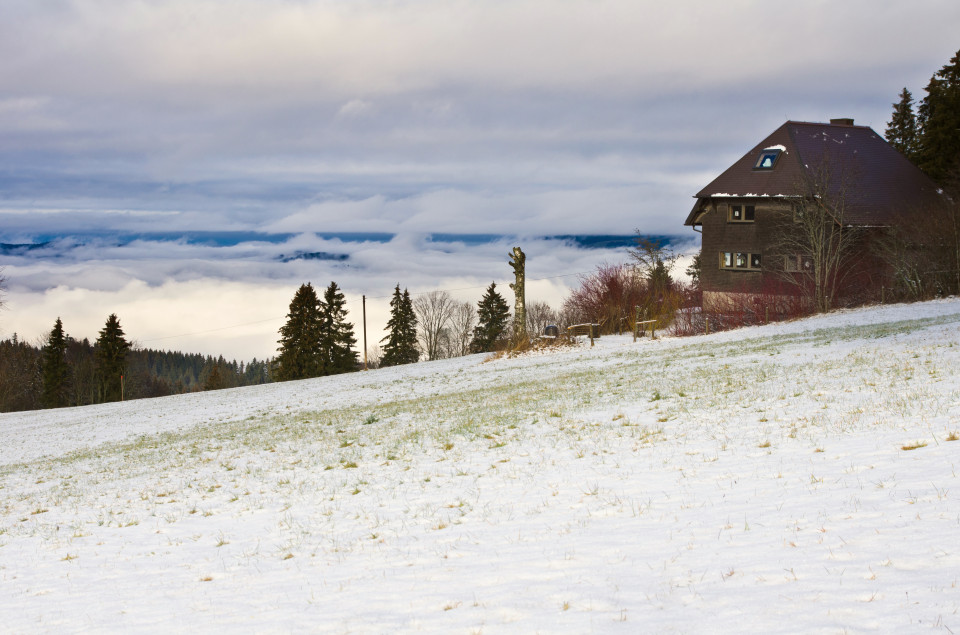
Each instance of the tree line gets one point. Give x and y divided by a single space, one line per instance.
64 371
316 340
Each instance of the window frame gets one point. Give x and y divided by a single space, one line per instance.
797 263
741 213
730 261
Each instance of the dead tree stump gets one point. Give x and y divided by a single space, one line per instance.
518 261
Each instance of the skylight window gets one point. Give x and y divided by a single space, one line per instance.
768 158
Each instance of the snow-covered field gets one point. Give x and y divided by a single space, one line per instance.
799 477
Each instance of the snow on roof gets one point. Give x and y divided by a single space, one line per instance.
750 195
781 148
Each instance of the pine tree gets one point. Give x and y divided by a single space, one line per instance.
56 371
299 350
401 342
336 334
901 132
493 315
111 355
938 120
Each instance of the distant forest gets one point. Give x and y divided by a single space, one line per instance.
149 373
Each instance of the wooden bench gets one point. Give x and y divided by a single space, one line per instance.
641 327
593 330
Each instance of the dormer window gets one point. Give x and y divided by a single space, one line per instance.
768 158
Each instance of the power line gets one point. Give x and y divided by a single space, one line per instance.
222 328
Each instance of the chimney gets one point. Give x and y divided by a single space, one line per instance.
841 122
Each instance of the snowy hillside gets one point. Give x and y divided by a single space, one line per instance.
792 477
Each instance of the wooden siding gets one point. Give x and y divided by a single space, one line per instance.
721 235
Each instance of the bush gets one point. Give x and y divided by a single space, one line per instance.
777 300
614 295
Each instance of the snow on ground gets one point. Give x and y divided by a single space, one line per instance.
784 478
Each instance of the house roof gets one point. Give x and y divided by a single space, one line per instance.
880 182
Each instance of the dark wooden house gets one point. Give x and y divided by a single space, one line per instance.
740 212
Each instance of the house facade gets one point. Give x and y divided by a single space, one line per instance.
743 212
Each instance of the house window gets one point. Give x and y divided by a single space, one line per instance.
742 214
740 261
768 158
798 263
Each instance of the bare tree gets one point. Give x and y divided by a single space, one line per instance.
374 355
434 311
462 320
816 242
655 261
539 316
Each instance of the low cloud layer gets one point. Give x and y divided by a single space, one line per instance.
231 300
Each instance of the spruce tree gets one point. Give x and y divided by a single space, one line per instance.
56 372
111 355
336 334
401 341
938 119
901 132
299 353
493 315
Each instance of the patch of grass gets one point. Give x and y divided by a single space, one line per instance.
953 436
916 445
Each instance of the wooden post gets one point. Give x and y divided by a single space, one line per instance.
121 387
364 332
591 335
706 321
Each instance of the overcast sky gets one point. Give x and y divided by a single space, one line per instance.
519 117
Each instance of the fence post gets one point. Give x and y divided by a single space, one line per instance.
706 321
